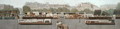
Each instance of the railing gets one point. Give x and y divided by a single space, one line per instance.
100 17
9 17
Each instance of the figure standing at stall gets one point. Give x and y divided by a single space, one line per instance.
60 25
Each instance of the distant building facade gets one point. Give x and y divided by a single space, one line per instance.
3 6
84 6
36 6
108 6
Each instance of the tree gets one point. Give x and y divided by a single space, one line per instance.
60 10
110 11
52 10
97 12
17 10
65 9
116 12
105 13
74 10
87 11
44 10
26 9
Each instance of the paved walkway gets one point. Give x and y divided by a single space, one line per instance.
73 24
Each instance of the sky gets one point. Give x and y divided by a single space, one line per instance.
21 3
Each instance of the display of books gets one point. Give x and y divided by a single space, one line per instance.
35 21
100 22
37 17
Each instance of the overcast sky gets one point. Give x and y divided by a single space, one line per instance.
20 3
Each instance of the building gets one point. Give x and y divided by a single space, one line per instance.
9 14
108 6
3 6
118 6
84 6
36 6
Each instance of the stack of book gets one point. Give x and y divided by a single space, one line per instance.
35 21
100 22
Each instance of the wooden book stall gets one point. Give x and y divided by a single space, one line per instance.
117 17
100 22
35 22
100 17
37 17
